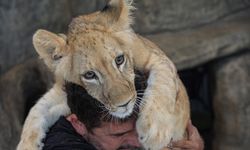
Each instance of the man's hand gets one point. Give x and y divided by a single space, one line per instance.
194 141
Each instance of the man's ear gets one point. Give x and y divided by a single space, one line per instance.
78 125
50 47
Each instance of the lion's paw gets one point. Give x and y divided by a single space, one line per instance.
152 135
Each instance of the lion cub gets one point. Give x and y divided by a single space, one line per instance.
100 53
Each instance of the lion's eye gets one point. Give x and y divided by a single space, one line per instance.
119 60
89 75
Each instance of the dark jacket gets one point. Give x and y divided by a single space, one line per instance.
62 136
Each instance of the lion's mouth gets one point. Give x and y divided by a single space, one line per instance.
124 110
135 104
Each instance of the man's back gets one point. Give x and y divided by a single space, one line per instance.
62 136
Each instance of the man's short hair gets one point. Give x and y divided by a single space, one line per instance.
89 110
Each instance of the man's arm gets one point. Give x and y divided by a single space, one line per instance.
194 141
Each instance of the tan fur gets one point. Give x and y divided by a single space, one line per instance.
92 44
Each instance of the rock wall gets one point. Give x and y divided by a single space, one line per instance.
154 16
190 32
232 103
20 19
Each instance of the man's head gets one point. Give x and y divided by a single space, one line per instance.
91 120
109 135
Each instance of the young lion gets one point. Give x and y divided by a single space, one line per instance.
100 53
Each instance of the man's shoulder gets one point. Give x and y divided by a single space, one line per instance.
62 136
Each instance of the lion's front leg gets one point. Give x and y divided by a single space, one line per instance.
156 123
43 115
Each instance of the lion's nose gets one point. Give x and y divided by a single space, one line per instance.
123 105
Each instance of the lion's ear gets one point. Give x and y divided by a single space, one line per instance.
49 46
118 14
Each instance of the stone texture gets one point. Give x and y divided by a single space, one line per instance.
19 90
193 47
20 19
154 16
231 103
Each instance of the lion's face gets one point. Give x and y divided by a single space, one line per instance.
105 69
96 55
